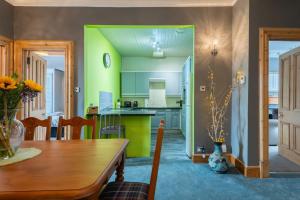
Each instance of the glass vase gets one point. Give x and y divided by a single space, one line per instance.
11 134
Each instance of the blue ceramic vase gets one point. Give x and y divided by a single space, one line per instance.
217 162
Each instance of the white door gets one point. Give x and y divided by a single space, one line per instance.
36 69
289 106
3 60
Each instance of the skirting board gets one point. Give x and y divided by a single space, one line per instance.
248 171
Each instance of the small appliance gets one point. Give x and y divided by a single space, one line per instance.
127 104
135 104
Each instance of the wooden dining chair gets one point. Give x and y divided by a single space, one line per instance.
135 190
31 123
76 123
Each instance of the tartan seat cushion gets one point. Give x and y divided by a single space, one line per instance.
125 190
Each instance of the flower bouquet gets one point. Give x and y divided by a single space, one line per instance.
12 93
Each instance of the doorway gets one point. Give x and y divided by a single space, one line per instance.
288 98
49 63
152 68
282 61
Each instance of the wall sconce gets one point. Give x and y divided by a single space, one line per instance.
214 50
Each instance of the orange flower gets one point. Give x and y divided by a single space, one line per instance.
7 83
33 85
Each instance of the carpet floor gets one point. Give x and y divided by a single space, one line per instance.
183 180
180 179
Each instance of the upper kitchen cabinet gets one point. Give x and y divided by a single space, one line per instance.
137 83
142 83
173 83
128 84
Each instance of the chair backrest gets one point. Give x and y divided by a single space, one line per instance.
76 123
156 159
31 123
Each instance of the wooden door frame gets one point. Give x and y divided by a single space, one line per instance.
9 45
48 45
265 35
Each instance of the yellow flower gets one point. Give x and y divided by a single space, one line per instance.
33 85
7 83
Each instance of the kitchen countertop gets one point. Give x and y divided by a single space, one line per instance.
155 108
127 111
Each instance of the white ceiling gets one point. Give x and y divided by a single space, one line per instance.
138 42
122 3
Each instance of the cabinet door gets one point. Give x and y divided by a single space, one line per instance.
175 121
142 83
173 83
155 120
128 83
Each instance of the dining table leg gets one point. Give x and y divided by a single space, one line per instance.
120 170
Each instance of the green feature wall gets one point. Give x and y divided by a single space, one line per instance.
96 77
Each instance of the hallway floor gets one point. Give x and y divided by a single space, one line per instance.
180 179
279 163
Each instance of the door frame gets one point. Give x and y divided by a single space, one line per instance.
265 35
48 45
8 43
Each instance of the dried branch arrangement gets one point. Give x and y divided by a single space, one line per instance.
217 109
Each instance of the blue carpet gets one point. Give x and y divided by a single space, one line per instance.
184 180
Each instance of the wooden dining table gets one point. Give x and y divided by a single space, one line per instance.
75 169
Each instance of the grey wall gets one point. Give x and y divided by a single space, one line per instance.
240 62
67 24
6 19
266 13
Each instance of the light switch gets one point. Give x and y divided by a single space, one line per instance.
202 88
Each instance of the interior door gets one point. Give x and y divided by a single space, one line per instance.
289 106
36 69
3 60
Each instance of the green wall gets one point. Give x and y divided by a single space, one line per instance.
96 77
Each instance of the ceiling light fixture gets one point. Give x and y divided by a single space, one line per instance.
155 44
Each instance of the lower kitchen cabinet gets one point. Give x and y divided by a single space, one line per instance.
170 116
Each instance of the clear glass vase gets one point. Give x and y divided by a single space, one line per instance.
11 134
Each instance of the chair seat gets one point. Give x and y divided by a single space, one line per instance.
125 190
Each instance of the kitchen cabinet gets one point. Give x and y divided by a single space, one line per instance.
175 120
170 116
128 84
142 83
137 83
173 83
155 120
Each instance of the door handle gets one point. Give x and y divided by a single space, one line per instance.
280 114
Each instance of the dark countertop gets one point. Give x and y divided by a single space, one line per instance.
127 112
155 108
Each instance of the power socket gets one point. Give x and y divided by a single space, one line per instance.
77 89
202 88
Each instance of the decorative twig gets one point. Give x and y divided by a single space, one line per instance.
217 109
